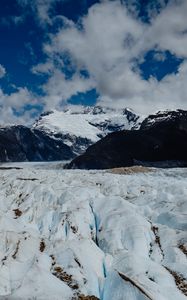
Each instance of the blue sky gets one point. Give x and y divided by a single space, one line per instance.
116 53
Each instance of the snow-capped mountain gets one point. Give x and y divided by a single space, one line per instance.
165 118
62 135
81 127
87 235
162 137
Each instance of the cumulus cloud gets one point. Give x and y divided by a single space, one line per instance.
169 29
16 102
104 47
58 89
169 93
2 71
108 42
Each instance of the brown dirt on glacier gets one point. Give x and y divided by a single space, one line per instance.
130 170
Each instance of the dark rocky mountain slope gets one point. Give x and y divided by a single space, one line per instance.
19 143
62 135
161 137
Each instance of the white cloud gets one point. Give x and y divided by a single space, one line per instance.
2 71
108 43
104 47
41 9
16 101
169 29
43 68
58 89
169 93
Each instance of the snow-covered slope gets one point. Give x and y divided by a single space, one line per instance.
62 135
162 137
83 126
67 234
164 118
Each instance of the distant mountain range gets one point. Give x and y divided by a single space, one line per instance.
63 135
160 141
98 138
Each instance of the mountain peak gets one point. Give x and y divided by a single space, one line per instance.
89 122
62 135
169 117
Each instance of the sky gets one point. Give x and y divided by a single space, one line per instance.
117 53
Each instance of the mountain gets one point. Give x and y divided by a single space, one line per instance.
161 137
89 235
163 119
19 143
81 127
62 135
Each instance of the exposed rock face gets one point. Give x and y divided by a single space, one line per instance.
162 137
19 143
81 127
62 135
163 119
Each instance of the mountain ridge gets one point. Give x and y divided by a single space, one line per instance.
62 135
158 139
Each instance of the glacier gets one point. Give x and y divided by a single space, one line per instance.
74 234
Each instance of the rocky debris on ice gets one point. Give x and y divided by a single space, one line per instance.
70 234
